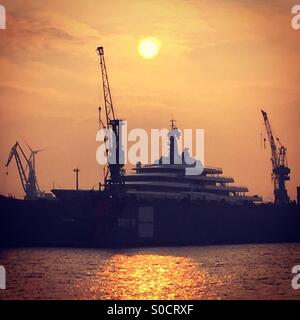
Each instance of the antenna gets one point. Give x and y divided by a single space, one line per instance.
76 170
173 126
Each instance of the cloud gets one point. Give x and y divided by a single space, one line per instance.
41 32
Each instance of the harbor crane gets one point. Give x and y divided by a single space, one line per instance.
280 169
115 168
28 181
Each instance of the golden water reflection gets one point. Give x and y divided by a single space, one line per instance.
143 276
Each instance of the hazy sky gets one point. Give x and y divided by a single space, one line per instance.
220 63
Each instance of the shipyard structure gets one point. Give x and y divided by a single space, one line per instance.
159 204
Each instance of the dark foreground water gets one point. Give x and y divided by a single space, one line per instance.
214 272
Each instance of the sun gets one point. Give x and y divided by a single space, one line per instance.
149 47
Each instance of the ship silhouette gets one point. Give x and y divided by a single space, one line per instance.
157 205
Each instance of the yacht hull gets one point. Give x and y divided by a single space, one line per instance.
94 220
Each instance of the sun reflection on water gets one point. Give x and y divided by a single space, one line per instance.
143 276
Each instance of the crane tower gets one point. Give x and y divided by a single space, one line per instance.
280 169
113 131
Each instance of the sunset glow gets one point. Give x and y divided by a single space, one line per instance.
210 65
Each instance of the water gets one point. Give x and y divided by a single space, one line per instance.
212 272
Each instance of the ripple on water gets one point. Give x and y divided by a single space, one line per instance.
212 272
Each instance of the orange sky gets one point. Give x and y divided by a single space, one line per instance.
220 62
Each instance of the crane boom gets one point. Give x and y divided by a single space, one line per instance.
274 158
14 153
29 184
109 108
